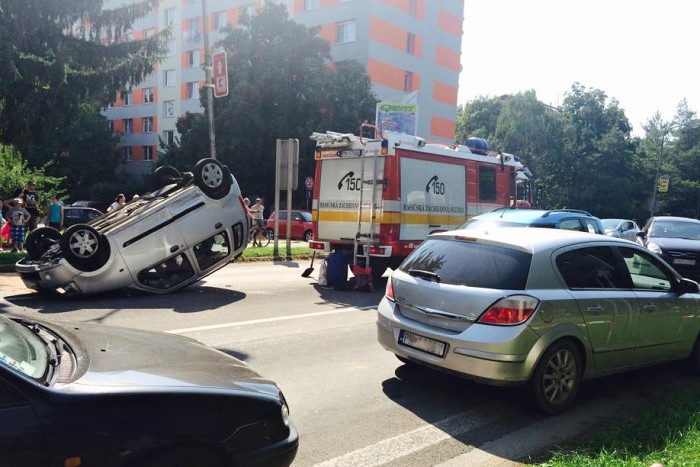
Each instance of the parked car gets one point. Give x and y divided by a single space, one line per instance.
621 228
99 205
192 226
568 219
91 394
301 225
542 308
676 240
78 215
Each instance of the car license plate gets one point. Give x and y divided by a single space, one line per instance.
684 262
422 343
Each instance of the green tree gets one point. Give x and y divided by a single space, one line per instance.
280 86
15 173
58 55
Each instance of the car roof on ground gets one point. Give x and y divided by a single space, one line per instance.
530 239
528 215
676 218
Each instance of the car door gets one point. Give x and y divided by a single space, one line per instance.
297 225
598 282
665 316
282 216
22 439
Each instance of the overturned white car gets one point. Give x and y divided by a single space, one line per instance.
192 225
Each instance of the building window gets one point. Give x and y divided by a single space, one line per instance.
128 153
411 43
126 97
408 81
311 5
193 58
128 126
170 16
169 137
148 33
193 29
220 20
148 124
172 47
412 7
148 153
169 108
345 32
169 77
148 95
193 90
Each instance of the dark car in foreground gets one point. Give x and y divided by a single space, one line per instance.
542 308
301 227
96 395
676 240
567 219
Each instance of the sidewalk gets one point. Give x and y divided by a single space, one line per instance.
10 282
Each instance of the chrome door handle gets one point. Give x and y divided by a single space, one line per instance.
650 307
595 309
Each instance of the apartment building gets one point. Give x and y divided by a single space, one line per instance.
410 48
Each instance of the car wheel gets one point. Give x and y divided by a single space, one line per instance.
163 176
556 378
308 236
84 248
270 234
40 240
212 178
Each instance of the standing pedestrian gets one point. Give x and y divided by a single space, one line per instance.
257 212
18 218
31 204
118 203
56 213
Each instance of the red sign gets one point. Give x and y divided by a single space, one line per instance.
220 74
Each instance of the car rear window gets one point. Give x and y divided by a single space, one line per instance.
471 264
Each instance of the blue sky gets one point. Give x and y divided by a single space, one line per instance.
643 53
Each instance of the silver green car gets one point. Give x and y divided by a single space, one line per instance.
545 308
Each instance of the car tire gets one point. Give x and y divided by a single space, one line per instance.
84 248
270 233
308 236
213 178
40 240
556 378
163 176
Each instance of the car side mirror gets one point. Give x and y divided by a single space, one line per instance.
687 286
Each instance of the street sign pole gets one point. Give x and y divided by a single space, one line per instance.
208 80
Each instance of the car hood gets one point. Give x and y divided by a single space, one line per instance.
145 360
683 244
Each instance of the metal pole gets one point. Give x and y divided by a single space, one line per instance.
652 207
208 80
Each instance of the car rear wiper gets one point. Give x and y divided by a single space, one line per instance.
427 275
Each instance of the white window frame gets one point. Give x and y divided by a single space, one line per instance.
194 29
127 98
148 33
194 58
220 20
193 90
128 153
411 43
128 126
172 48
169 109
170 16
345 32
408 81
168 136
311 5
169 77
149 95
148 153
148 124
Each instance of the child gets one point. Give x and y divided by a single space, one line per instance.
18 218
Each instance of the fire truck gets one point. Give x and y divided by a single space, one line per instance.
376 199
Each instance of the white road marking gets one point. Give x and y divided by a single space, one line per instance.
270 320
391 449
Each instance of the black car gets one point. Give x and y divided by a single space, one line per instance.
78 215
91 394
676 240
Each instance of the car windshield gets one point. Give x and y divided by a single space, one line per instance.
21 349
610 224
676 229
468 263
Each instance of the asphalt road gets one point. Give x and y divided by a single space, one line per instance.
353 403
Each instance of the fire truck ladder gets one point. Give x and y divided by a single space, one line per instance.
366 216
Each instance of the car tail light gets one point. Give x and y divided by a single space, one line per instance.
511 310
389 290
